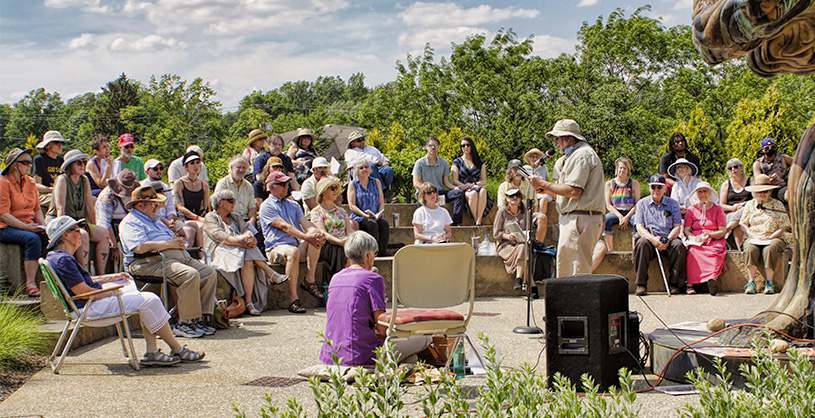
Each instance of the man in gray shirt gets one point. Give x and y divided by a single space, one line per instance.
434 169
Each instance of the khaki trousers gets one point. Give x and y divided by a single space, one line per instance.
578 234
771 253
195 281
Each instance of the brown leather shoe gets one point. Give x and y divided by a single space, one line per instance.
641 291
312 288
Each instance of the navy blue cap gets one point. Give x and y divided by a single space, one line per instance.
657 179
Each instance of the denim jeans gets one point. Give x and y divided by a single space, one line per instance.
32 242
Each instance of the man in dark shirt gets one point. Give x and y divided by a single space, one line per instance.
47 164
677 148
275 150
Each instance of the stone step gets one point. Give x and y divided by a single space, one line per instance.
405 212
23 303
464 234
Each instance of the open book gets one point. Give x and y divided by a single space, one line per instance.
515 229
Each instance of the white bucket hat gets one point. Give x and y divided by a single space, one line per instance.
58 226
565 127
72 156
319 162
703 185
49 137
694 170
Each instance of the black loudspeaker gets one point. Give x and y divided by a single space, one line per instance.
588 329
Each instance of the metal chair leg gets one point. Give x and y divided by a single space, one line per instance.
61 341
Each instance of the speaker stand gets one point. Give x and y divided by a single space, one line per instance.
528 277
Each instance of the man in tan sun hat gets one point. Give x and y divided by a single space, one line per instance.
579 192
142 232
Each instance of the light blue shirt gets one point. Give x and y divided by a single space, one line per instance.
661 218
137 228
274 208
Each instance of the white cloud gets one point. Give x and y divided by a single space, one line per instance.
443 14
84 41
86 5
683 4
584 3
439 38
149 43
547 46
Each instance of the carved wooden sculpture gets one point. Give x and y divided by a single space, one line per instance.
778 37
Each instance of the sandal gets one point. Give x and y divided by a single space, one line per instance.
188 356
296 307
252 311
278 278
312 288
32 291
690 291
157 358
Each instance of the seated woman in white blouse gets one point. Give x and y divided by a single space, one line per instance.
431 222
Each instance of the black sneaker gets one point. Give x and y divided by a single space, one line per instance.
518 284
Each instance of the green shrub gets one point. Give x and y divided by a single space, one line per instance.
774 390
19 334
506 393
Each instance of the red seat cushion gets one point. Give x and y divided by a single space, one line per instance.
407 316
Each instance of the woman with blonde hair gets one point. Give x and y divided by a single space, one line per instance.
431 222
335 224
734 195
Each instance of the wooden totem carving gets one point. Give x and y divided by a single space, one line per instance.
777 37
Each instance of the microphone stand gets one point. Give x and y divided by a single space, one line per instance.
528 276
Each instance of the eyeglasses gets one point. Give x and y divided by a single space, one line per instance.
432 145
24 162
656 187
128 146
230 200
333 188
733 167
465 145
157 168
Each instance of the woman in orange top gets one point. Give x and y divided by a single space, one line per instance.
21 220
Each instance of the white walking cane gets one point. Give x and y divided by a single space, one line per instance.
661 268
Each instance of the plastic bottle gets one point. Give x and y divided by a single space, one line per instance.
459 360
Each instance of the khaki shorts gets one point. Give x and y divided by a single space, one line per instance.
276 254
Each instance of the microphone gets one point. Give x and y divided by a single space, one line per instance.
762 207
548 153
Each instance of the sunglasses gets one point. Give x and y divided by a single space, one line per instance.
128 146
431 191
465 145
230 200
733 167
80 162
24 162
358 140
158 168
656 187
510 196
333 188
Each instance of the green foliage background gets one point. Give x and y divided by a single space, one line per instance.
630 84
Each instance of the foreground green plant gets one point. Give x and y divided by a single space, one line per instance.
20 338
521 392
774 390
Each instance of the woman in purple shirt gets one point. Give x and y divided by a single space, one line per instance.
356 297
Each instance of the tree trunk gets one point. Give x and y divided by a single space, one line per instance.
794 305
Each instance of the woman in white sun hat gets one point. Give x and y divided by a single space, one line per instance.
704 225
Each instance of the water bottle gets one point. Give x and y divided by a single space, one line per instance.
459 360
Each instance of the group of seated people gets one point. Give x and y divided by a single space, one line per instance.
687 220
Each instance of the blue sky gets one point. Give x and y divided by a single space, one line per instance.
76 46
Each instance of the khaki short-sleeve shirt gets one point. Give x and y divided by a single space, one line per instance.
581 168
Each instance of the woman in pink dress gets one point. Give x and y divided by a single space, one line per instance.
705 226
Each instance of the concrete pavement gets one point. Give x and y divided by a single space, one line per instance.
94 381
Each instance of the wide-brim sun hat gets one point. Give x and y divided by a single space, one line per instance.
565 127
49 137
703 185
327 182
694 170
511 191
304 132
356 135
58 226
12 156
256 135
533 151
144 194
514 163
319 162
124 183
71 157
762 183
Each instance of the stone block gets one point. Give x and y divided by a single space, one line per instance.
12 275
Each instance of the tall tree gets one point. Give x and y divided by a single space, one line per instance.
33 115
116 95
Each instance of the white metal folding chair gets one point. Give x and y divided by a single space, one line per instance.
79 318
427 281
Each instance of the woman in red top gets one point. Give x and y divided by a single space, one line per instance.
21 220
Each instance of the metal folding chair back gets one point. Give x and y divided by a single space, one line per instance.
79 318
428 280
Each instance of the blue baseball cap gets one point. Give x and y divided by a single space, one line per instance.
657 179
766 141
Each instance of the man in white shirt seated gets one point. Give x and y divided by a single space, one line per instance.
380 167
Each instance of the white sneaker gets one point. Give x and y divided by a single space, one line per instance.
186 330
205 329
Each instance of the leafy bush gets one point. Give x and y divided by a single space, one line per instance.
775 390
506 392
19 336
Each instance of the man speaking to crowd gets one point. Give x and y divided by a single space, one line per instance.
579 193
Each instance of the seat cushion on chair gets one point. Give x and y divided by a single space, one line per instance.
408 316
